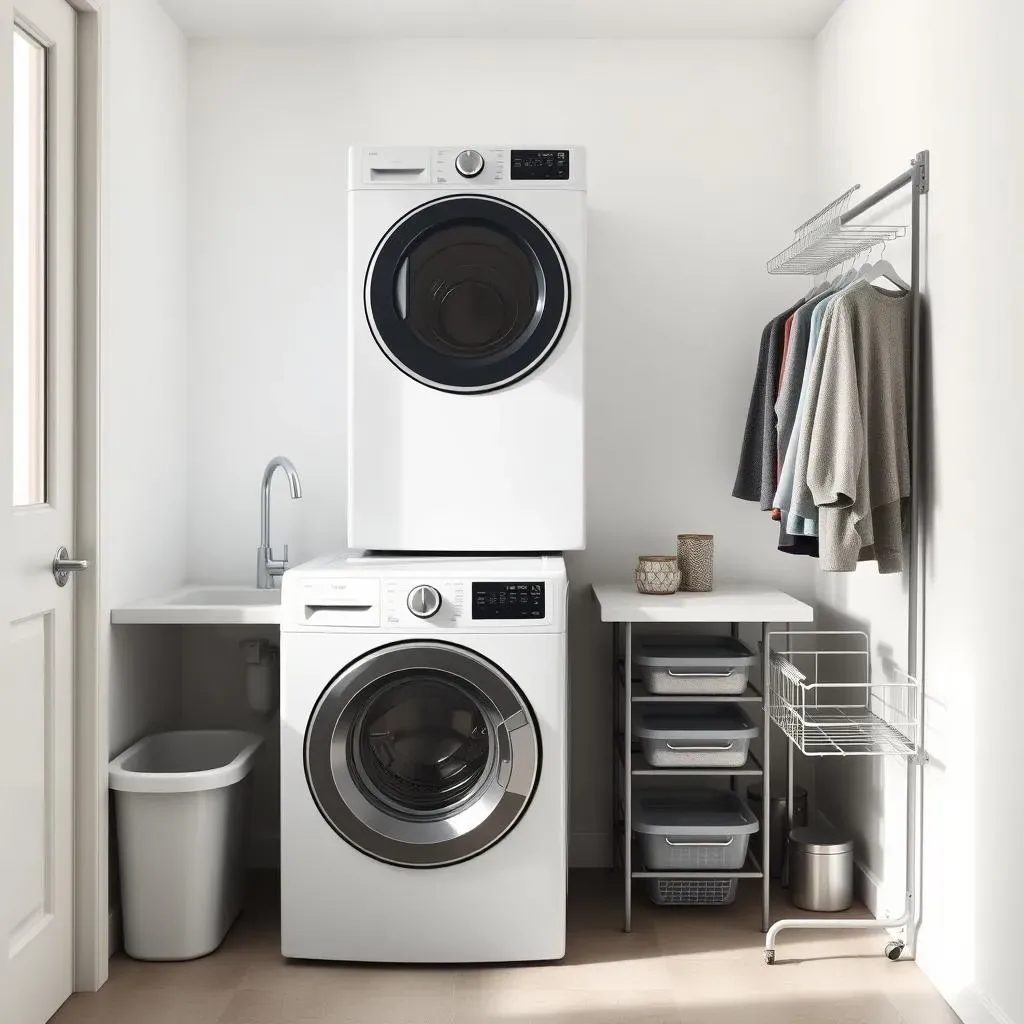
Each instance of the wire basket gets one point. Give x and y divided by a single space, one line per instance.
822 695
679 892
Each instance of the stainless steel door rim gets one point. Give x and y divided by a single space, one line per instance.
413 836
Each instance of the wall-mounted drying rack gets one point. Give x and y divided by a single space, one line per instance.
886 718
827 239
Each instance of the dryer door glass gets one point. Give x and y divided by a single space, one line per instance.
467 293
422 754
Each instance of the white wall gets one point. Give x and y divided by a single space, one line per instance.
143 353
699 166
892 77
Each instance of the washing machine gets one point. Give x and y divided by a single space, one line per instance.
465 335
424 759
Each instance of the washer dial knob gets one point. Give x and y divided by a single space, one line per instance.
469 163
424 601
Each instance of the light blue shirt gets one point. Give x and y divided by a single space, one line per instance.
801 525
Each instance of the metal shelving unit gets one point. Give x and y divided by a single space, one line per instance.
638 768
623 607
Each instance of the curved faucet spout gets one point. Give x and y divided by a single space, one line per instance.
268 567
294 488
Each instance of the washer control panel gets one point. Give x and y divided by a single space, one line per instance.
440 604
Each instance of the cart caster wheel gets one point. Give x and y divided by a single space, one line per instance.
894 950
769 956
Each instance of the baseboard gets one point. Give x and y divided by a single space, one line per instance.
866 886
995 1013
590 850
973 1006
114 931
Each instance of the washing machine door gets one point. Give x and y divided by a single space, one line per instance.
467 294
422 753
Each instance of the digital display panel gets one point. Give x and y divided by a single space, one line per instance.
508 600
540 165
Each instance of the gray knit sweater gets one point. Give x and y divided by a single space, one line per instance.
858 467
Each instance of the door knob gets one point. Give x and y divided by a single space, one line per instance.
64 566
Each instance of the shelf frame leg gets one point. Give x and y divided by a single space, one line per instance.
766 789
627 778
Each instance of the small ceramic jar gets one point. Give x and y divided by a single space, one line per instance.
657 574
696 561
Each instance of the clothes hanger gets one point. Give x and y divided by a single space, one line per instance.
883 268
816 289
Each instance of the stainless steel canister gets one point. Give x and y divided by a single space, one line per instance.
820 869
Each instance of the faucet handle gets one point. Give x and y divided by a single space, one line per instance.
284 560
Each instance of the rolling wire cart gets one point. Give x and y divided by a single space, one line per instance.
850 713
827 701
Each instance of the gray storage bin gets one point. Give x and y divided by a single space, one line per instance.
694 664
694 829
700 736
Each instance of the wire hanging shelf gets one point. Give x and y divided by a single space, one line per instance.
824 241
825 700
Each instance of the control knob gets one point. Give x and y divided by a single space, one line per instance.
469 163
424 601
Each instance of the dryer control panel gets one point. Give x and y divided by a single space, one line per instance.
467 167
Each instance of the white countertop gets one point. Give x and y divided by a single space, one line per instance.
204 606
730 602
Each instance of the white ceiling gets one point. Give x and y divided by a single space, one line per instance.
536 19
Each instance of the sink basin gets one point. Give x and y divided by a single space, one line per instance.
220 596
205 606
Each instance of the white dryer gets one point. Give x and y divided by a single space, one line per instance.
465 333
424 759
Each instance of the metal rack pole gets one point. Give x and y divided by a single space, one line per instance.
766 789
915 640
627 776
884 192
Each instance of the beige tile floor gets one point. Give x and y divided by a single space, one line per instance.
678 966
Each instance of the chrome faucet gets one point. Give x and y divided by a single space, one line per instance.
269 568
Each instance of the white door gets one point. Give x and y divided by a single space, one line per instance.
37 380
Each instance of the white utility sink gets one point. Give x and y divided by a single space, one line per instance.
200 605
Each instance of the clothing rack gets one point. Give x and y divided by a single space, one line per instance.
823 242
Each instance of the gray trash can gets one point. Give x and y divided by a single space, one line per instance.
181 800
821 869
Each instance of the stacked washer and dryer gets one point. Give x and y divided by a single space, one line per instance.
424 717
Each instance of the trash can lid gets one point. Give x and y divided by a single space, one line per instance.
821 839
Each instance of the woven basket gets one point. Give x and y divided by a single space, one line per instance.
657 574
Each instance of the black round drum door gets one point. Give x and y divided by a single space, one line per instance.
467 294
422 754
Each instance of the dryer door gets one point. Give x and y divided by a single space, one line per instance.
467 294
422 753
